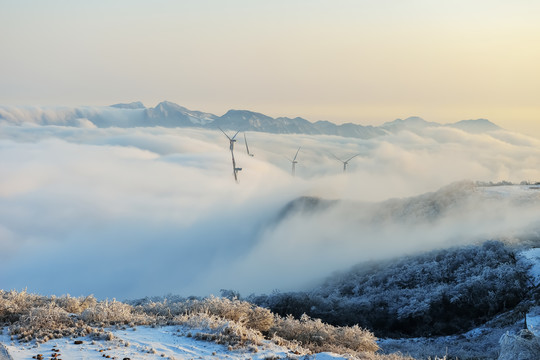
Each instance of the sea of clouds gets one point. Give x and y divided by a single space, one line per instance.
134 212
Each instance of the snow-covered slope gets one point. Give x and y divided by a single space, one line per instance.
169 114
147 343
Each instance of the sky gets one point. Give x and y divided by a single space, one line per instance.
357 61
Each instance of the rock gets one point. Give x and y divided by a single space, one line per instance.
523 346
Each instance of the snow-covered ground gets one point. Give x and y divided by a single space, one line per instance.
169 342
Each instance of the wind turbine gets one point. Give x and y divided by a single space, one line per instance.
247 148
294 162
345 162
231 140
231 147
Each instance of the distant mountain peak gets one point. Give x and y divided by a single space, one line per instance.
170 114
415 120
475 126
244 114
131 105
410 123
409 120
169 105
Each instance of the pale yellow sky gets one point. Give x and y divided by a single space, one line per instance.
341 60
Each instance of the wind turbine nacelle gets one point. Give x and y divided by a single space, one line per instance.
237 169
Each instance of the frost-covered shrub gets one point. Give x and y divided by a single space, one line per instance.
318 336
47 322
43 318
114 312
239 323
242 312
220 330
13 304
165 307
75 305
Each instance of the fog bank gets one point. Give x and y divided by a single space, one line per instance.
147 211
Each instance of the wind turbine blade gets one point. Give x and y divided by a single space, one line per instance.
352 157
235 135
296 153
224 133
245 140
338 159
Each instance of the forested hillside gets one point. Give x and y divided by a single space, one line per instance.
437 293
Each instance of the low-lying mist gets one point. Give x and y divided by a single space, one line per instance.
134 212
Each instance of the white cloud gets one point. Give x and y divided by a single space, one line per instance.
147 211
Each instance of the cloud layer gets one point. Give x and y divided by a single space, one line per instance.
147 211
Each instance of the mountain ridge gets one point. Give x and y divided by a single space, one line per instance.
171 115
244 120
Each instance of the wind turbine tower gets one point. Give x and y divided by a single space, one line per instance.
235 169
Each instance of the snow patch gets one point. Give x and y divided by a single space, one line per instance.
147 343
